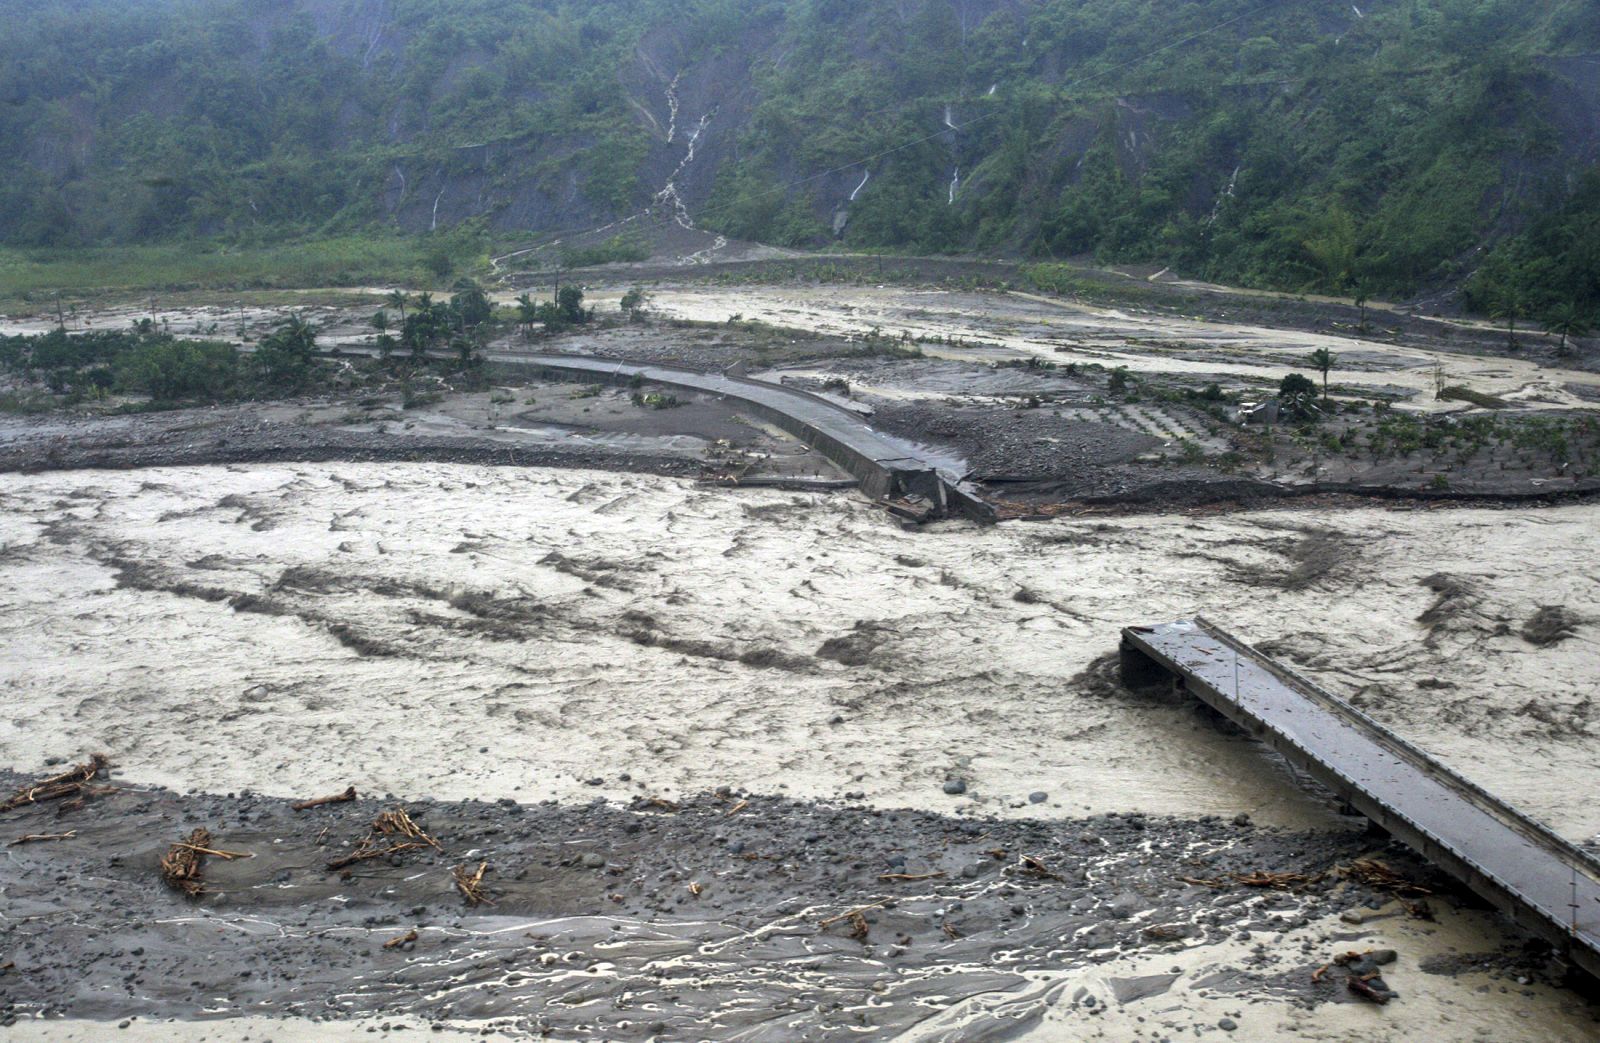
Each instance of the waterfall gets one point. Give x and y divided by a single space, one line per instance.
864 176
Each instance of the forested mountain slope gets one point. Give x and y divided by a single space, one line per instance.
1395 145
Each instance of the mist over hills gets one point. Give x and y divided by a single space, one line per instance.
1397 146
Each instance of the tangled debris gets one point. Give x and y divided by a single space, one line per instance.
471 884
73 784
1362 974
856 918
1377 875
1258 878
182 865
392 832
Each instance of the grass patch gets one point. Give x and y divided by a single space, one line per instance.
1461 393
33 277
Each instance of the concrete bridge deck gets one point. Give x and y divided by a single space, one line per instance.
886 466
1548 885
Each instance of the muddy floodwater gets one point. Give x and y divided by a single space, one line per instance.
465 633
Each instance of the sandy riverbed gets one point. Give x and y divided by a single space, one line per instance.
1010 325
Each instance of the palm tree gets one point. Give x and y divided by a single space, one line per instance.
1568 321
1508 306
1322 358
400 298
527 313
1361 302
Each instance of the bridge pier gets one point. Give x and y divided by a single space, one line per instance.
1141 673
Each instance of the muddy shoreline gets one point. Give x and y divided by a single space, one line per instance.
1104 481
659 920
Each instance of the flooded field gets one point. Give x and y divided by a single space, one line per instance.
992 325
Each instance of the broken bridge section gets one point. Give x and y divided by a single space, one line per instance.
1546 884
887 468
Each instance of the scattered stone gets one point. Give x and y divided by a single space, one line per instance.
1038 797
1125 905
955 787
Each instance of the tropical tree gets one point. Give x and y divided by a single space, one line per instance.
569 301
527 313
471 306
1360 294
285 356
1297 396
423 326
1509 305
1333 248
1568 321
1322 359
399 299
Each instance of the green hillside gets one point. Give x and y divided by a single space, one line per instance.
1396 147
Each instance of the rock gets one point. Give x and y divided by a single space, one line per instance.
1038 797
1124 906
1241 819
1127 990
1227 1024
955 787
594 860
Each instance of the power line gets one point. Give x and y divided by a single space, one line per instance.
1091 77
913 143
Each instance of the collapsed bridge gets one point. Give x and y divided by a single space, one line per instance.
886 467
1546 884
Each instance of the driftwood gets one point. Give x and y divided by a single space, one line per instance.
395 943
1379 876
1259 878
858 922
73 783
1029 864
909 876
471 884
338 798
34 838
391 833
184 863
214 853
